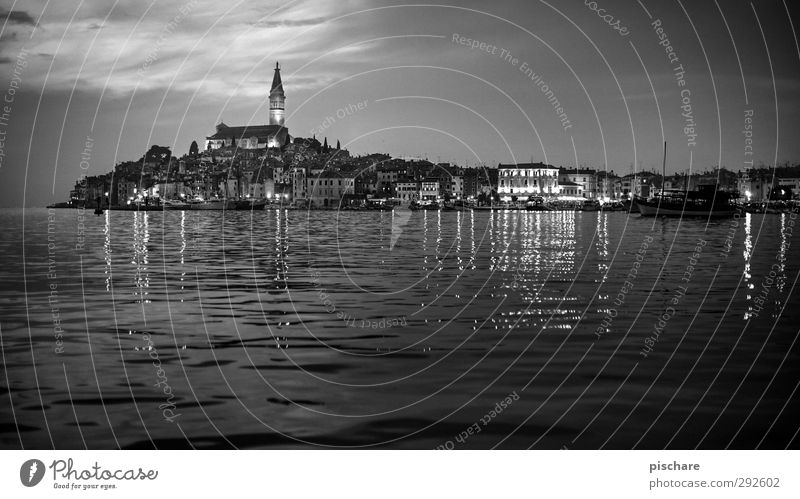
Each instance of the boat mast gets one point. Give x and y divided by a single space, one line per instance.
664 169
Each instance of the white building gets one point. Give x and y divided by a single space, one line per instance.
527 179
429 189
585 179
407 190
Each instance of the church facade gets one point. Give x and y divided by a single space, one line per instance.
275 134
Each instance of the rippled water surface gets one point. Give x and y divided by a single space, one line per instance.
289 329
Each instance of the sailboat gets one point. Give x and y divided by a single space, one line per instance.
705 201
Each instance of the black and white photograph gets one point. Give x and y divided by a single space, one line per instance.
527 229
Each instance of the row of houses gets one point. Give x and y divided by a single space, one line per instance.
307 172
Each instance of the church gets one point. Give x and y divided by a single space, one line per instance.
257 136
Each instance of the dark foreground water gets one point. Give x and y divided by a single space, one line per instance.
474 330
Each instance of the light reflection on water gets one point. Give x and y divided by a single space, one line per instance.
287 328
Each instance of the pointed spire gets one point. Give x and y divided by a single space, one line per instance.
277 84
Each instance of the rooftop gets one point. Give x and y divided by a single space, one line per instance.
527 166
244 132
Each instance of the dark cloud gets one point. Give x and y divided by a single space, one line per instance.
17 17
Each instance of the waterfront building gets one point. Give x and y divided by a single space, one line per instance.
569 189
454 186
389 175
262 190
430 189
609 186
584 178
298 181
638 184
527 179
275 134
789 188
328 189
171 190
766 184
407 190
126 191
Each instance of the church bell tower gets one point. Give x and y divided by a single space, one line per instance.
276 99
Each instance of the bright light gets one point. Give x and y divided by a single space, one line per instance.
106 194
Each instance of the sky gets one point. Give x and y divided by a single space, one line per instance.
87 84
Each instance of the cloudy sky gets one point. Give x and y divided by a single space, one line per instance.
128 74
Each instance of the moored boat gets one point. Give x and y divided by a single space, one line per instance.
248 204
707 201
216 204
174 204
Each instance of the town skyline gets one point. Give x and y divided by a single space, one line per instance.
446 92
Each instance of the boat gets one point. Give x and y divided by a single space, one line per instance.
98 209
217 204
248 204
424 205
175 204
613 206
706 201
536 203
